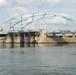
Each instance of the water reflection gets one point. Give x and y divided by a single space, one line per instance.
8 45
56 44
55 60
13 45
1 45
20 45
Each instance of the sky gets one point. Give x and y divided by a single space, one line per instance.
10 8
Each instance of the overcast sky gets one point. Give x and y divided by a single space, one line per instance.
9 8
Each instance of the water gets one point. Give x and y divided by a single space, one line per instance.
40 59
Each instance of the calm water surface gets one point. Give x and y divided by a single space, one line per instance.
37 59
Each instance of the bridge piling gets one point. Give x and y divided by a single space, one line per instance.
40 37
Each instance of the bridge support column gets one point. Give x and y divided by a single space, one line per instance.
17 40
8 39
21 37
29 37
42 36
73 35
53 34
63 34
13 38
25 37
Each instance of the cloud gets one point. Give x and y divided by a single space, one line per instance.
53 2
2 2
56 2
37 2
18 10
58 20
44 2
69 2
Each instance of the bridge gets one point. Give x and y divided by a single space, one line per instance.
15 29
20 22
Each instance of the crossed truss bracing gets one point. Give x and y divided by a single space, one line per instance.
24 20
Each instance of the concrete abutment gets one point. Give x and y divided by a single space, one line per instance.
38 37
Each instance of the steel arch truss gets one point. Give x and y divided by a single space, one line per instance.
26 19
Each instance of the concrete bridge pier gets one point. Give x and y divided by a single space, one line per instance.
21 37
31 37
73 35
63 35
42 36
53 34
17 39
74 40
25 37
8 39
